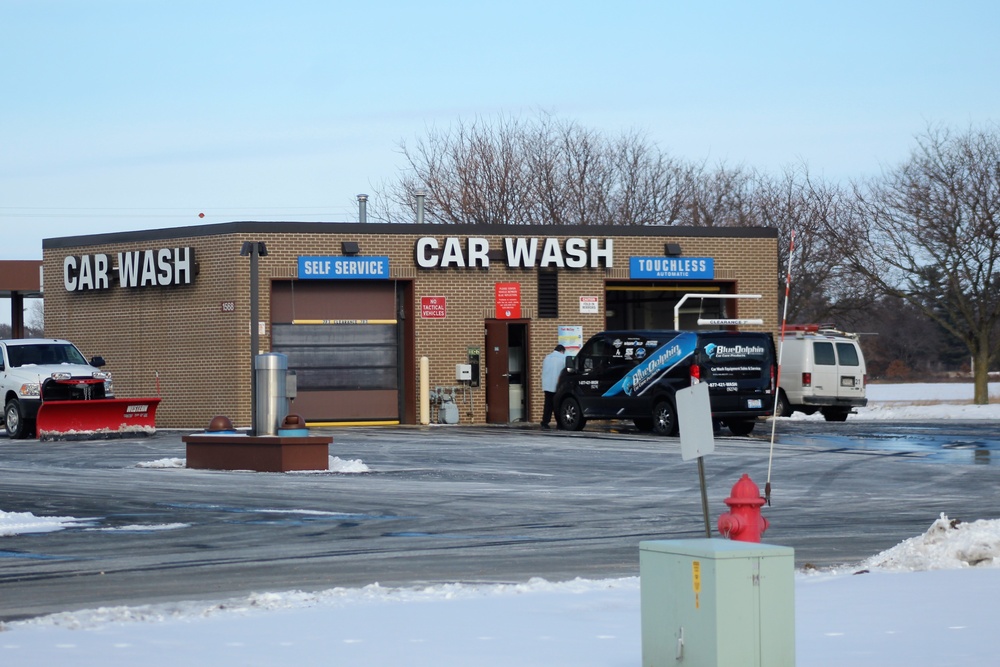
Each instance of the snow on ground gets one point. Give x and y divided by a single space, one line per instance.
947 400
929 601
336 464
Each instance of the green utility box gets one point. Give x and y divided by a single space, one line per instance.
717 603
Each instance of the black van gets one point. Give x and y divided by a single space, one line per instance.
634 374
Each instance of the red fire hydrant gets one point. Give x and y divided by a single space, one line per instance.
743 521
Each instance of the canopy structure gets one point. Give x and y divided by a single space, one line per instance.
20 279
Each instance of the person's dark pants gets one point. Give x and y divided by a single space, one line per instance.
547 408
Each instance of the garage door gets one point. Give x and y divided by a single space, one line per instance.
342 341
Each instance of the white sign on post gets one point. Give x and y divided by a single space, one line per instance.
694 414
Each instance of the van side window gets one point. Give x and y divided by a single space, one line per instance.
848 354
823 354
594 355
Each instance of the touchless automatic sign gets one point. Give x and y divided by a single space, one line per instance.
672 268
343 268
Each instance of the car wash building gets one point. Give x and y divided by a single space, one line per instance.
355 307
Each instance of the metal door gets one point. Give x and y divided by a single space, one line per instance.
497 373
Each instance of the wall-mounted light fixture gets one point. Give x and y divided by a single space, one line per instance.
672 249
249 248
350 247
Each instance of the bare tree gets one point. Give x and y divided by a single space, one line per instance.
34 324
722 197
928 232
539 171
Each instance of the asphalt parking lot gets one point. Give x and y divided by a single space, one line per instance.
445 503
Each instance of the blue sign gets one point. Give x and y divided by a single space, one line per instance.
672 268
343 268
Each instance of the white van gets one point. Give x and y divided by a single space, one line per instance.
823 370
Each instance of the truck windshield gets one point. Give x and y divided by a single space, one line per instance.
46 354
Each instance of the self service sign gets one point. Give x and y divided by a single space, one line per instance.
343 268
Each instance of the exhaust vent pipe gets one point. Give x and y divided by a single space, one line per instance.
420 206
362 208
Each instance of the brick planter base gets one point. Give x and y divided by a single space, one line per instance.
258 453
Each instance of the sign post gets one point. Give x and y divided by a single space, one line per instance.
694 412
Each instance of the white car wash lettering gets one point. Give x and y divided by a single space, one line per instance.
573 253
139 268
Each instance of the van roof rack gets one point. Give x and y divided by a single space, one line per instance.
826 329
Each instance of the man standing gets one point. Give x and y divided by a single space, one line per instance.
555 362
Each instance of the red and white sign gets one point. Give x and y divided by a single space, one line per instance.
589 304
433 307
507 297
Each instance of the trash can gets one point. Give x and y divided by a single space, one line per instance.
270 371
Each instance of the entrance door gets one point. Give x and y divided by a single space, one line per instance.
506 371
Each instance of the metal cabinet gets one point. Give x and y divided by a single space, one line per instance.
717 603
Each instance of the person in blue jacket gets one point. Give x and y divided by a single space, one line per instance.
555 362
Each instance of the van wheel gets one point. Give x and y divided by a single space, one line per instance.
644 424
783 408
741 426
836 414
570 416
665 418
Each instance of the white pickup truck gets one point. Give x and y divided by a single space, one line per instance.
33 370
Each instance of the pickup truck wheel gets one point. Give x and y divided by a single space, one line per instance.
570 415
17 426
665 418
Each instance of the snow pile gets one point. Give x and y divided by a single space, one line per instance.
336 464
923 401
947 544
163 463
350 466
16 523
334 598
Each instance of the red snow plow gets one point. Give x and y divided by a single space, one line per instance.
96 418
49 388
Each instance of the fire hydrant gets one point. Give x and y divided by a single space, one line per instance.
743 522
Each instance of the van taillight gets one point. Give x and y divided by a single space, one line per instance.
695 373
807 379
773 371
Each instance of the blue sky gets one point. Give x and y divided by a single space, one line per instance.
119 115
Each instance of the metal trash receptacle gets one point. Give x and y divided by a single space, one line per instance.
270 371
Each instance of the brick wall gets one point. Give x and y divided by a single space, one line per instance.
201 351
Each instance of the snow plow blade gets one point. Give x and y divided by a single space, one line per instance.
96 418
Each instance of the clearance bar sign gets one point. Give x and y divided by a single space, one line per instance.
343 268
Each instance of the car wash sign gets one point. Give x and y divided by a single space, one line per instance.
671 268
518 253
161 267
343 268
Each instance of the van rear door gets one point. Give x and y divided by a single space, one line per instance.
738 368
850 372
